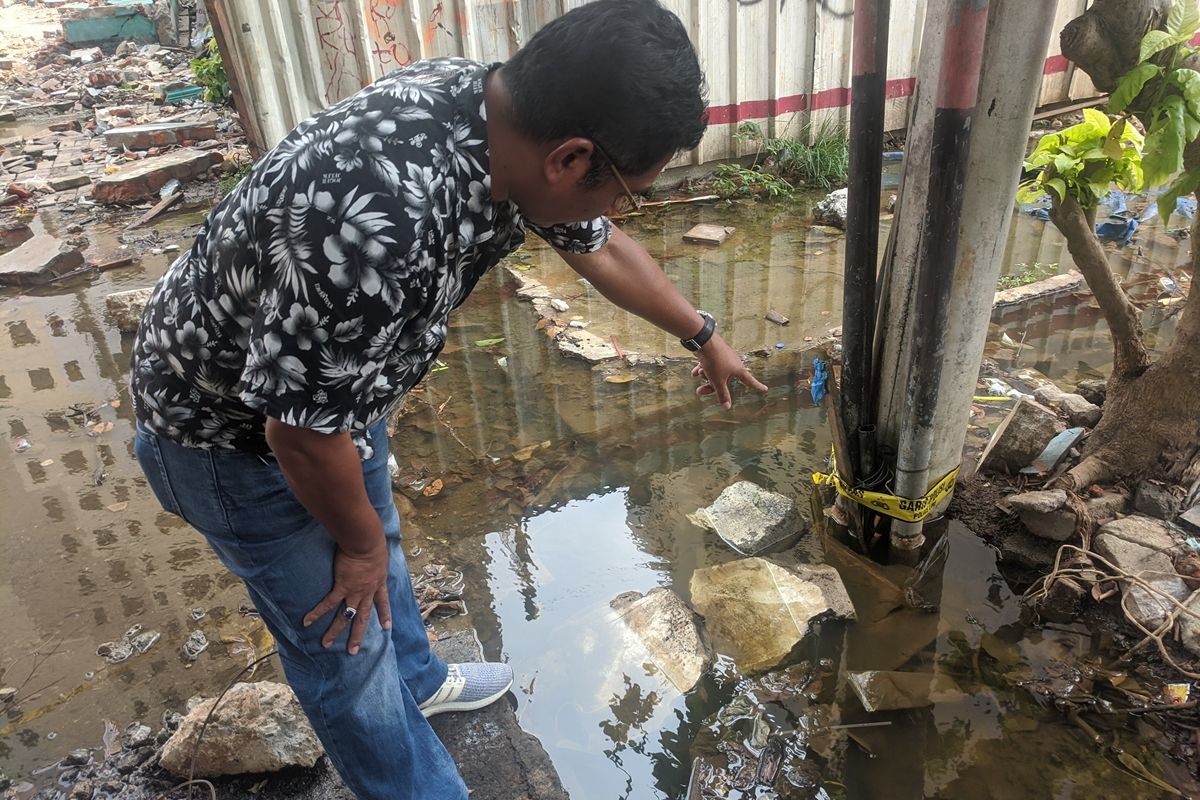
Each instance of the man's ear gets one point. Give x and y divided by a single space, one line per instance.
569 162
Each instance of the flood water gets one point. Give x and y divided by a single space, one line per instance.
562 488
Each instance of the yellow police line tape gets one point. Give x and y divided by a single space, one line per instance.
902 508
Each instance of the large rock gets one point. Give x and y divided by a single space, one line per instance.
832 210
751 519
1093 390
757 610
38 259
125 308
1044 514
142 179
1079 411
1020 438
1143 547
667 627
1157 501
259 727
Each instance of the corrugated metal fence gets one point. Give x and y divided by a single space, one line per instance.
779 63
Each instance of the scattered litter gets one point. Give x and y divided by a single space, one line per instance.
777 318
198 614
559 305
439 591
433 489
621 377
578 324
170 188
708 234
393 466
46 463
22 445
488 342
196 644
820 376
1177 693
111 739
502 362
117 508
115 652
144 641
780 345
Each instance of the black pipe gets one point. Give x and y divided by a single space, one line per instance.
868 90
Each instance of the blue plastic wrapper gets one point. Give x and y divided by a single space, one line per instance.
820 376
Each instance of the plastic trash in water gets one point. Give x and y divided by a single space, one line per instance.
169 188
1116 202
1054 452
1168 285
820 376
780 345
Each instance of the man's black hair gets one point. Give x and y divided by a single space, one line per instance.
622 73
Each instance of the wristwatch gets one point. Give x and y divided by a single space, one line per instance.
700 339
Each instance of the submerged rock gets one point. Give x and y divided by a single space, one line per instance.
879 690
832 210
667 627
756 610
1143 547
259 727
125 308
751 519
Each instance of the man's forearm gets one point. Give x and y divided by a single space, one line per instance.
626 274
325 474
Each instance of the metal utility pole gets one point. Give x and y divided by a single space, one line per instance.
983 64
867 86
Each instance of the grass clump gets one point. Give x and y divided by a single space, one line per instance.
818 158
1028 274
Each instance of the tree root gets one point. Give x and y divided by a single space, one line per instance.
1088 574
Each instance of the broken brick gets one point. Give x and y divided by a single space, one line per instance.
142 180
158 134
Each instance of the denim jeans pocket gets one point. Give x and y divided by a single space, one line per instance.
149 456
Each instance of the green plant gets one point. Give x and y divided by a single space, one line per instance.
1084 160
780 164
1166 94
734 180
231 180
209 72
1028 274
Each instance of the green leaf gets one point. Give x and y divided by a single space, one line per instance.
1092 119
1184 19
488 342
1064 164
1155 42
1112 142
1163 154
1187 183
1130 85
1029 192
1058 186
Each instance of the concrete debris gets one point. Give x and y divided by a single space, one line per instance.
880 690
142 180
1021 437
711 235
1190 519
1143 547
39 259
751 519
832 210
64 182
1044 514
125 308
259 727
1068 281
159 134
586 345
667 628
756 610
1156 500
1079 411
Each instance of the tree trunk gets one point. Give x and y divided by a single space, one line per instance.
1151 422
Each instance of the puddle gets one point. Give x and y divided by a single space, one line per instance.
561 490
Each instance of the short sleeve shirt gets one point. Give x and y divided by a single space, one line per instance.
317 292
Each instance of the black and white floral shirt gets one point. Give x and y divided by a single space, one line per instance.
317 292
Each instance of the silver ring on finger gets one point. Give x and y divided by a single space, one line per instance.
350 612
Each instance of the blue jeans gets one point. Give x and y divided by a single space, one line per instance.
364 707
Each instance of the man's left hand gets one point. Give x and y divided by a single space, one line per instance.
720 363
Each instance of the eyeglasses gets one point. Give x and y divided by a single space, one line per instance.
630 202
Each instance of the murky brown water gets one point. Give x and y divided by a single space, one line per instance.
561 491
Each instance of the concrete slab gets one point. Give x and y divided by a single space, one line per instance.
158 134
38 260
142 180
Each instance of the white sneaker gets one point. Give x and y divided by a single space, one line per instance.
469 687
